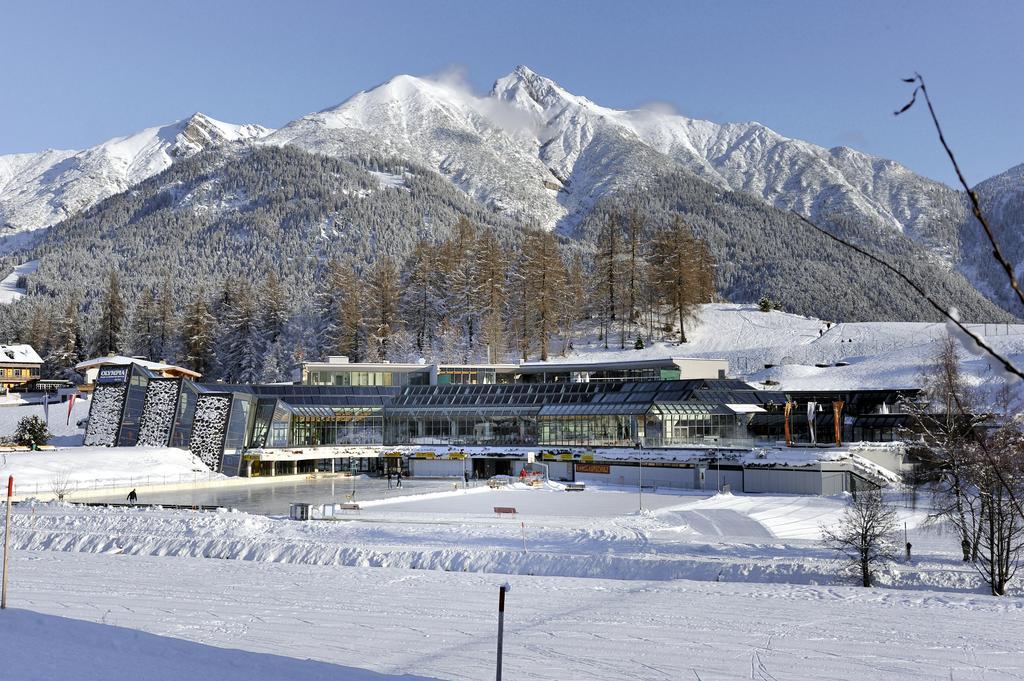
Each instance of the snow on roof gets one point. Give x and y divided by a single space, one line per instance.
120 359
19 354
746 408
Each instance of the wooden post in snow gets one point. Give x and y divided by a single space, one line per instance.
506 587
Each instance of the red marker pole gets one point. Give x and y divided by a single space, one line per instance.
7 541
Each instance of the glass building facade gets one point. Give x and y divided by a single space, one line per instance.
181 433
315 426
342 376
134 402
623 414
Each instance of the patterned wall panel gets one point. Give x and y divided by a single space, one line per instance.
105 415
158 414
209 428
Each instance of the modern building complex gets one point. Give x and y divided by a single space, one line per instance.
683 420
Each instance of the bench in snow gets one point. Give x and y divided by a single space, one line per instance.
349 506
505 510
575 486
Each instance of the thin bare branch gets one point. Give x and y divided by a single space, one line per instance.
997 252
1006 363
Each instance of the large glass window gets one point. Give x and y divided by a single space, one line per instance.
135 401
336 426
461 429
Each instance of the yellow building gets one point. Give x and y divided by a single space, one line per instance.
19 364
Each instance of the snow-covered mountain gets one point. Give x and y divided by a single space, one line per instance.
1002 200
544 156
534 148
38 190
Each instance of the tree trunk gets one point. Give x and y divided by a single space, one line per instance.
865 573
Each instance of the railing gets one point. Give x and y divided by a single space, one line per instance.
59 487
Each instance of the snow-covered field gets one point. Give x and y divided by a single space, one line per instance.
719 587
66 432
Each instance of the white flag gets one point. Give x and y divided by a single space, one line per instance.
46 407
811 408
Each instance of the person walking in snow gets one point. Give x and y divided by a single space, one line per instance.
398 478
389 478
465 476
132 497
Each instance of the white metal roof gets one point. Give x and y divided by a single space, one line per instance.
96 362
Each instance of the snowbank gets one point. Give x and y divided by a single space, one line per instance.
757 538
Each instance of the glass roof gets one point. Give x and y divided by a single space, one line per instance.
560 399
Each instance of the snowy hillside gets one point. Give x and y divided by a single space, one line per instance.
870 354
38 190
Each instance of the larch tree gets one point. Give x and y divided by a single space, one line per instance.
420 303
383 294
544 275
490 271
634 275
165 322
344 311
460 284
607 274
245 343
39 328
143 326
573 305
683 272
112 314
197 334
274 308
68 348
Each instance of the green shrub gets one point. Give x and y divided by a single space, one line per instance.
32 432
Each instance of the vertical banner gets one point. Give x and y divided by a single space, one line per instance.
785 425
811 408
71 404
837 419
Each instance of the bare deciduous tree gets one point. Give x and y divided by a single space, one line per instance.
864 535
61 484
948 415
997 479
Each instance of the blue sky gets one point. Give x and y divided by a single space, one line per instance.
73 74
